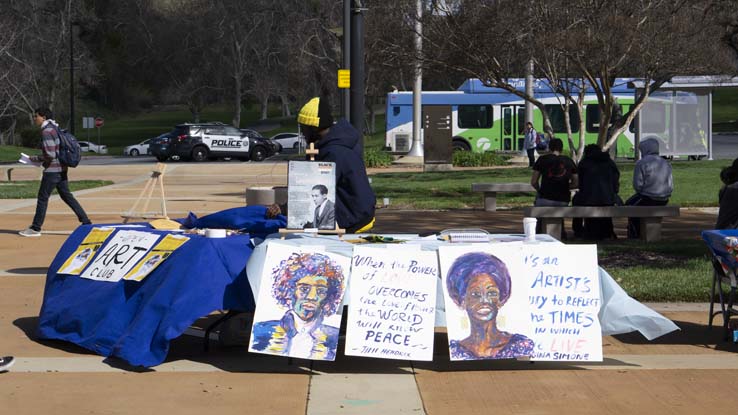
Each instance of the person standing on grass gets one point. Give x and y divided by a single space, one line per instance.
54 176
652 182
530 143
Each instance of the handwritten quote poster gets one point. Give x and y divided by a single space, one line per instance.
119 255
299 307
564 301
85 251
393 297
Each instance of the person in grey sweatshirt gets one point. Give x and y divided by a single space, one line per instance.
652 181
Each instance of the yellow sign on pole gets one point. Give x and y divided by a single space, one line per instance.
344 78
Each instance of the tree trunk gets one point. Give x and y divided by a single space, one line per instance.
236 121
286 112
264 107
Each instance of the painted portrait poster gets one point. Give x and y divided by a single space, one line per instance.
311 195
393 303
538 301
156 256
486 302
298 309
82 256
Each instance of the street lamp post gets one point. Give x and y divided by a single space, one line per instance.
71 73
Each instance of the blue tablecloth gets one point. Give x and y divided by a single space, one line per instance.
135 321
724 245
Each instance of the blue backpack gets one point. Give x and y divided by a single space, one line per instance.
69 153
541 142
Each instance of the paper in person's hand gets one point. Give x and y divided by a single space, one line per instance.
26 159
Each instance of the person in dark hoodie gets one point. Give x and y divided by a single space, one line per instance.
728 198
340 143
652 182
599 184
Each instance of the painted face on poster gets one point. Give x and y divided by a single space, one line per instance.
298 312
486 301
119 255
393 307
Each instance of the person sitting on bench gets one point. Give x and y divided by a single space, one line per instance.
652 182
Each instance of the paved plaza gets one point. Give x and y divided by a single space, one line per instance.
686 372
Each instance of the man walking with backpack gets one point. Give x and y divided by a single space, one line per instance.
54 176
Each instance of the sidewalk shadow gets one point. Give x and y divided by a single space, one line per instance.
694 334
10 231
29 325
28 271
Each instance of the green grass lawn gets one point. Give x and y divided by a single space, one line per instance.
725 110
659 271
28 189
696 184
12 153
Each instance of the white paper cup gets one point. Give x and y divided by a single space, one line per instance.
215 233
529 227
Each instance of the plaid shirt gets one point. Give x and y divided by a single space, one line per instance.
49 147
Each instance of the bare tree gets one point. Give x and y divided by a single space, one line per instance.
592 41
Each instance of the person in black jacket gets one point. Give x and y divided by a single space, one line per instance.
599 184
728 198
341 143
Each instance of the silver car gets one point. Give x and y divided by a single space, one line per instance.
290 140
137 149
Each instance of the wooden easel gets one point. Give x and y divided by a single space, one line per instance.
156 180
311 151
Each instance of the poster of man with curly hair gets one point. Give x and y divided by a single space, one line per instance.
298 310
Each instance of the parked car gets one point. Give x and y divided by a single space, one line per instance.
87 146
203 141
290 140
257 139
138 149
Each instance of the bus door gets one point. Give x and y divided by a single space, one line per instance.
513 121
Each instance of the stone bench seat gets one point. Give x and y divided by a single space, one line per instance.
552 218
490 191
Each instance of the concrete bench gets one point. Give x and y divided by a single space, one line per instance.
490 191
552 218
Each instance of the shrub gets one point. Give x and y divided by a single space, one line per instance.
31 137
469 159
376 158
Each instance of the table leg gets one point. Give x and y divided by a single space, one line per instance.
229 315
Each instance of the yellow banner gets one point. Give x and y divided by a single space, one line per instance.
85 251
156 256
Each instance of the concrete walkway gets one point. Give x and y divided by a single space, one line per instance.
684 372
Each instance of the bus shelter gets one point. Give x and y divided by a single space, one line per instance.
679 115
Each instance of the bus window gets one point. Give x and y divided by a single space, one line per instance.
395 110
475 116
593 118
556 115
507 120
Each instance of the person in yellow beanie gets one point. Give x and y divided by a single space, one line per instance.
341 143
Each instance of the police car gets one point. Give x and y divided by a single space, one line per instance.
203 141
